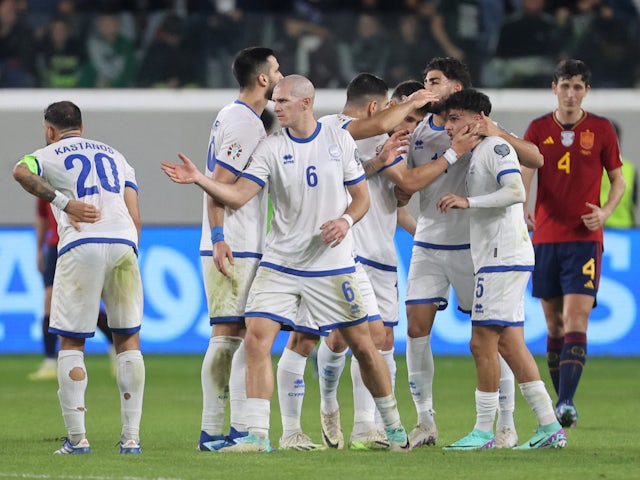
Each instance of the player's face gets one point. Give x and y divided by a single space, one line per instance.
410 122
435 81
458 120
570 92
274 76
287 108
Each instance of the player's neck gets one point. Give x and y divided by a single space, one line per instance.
568 117
254 99
304 128
438 120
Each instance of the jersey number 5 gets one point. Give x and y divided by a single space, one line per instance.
101 162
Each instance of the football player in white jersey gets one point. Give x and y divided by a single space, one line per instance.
231 246
440 256
503 259
310 167
89 181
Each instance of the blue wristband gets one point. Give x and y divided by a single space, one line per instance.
217 235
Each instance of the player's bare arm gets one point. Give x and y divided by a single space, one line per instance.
389 118
76 210
221 251
334 231
396 145
233 195
528 153
131 201
411 180
406 221
595 219
527 177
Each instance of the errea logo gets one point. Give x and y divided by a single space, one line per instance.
419 145
288 158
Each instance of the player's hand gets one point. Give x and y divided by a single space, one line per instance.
450 201
334 231
185 173
421 97
485 127
465 140
595 219
80 212
402 196
222 254
530 219
397 144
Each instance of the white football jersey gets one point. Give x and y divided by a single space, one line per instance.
428 143
374 233
499 236
94 173
307 179
234 136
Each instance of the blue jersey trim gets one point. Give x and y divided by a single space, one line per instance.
132 185
229 319
66 333
286 323
209 253
501 323
233 170
434 126
305 273
379 266
81 241
355 180
253 178
373 318
505 172
395 162
506 268
305 140
126 331
436 246
327 328
442 302
345 125
240 102
390 324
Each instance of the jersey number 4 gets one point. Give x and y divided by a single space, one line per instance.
102 162
565 163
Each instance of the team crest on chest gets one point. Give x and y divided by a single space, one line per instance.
234 151
335 152
567 137
586 139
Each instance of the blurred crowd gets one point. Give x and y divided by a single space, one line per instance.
191 43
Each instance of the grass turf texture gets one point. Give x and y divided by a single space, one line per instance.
604 446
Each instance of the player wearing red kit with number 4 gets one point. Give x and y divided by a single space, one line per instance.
567 235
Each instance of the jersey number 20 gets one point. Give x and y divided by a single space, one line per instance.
101 162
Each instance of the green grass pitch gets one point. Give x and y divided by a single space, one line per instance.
605 445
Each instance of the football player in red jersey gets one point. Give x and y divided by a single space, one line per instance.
567 225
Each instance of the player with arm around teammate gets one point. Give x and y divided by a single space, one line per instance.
503 258
89 181
308 255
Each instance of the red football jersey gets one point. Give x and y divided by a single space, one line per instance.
573 167
44 211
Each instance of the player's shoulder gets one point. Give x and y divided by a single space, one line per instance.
337 120
598 120
497 147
